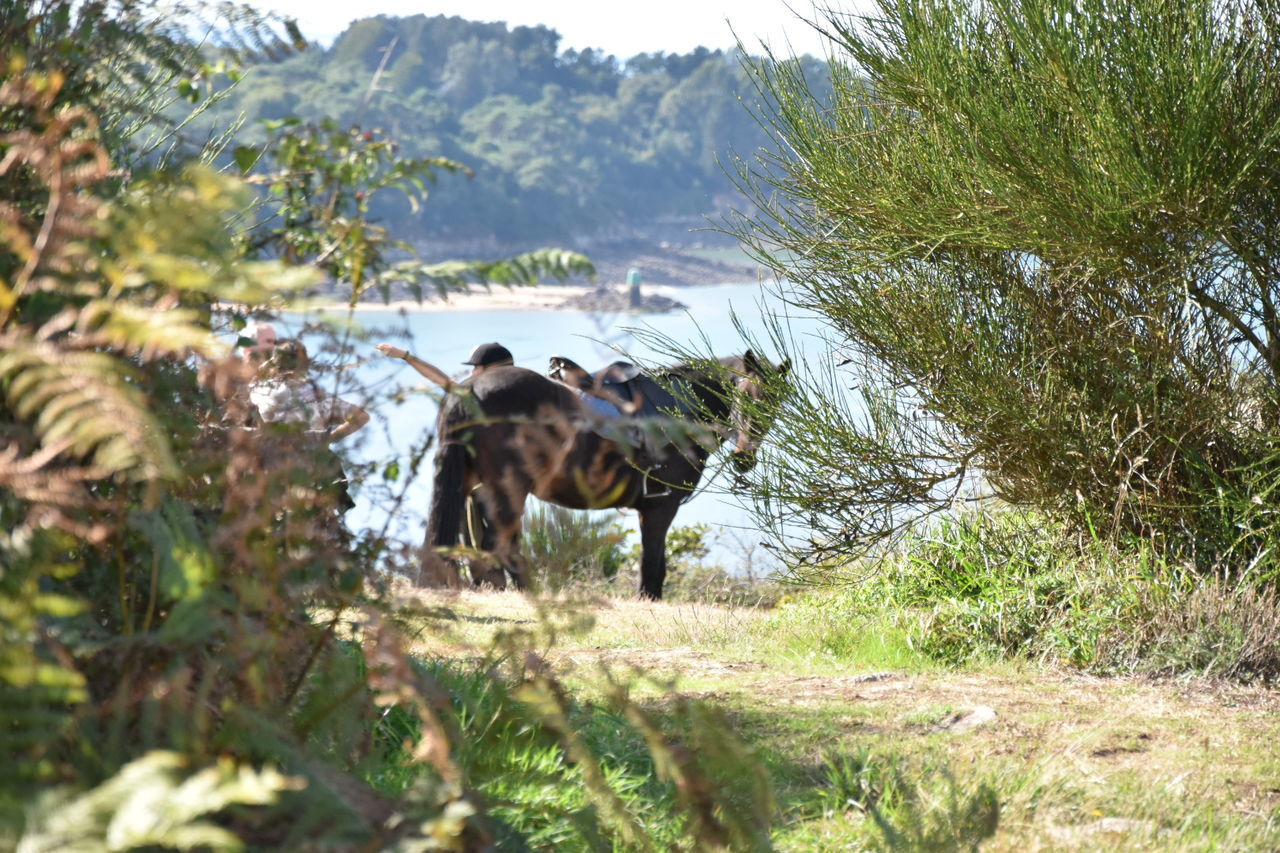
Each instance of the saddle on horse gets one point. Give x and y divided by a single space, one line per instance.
634 394
621 383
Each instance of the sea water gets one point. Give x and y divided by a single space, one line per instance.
718 321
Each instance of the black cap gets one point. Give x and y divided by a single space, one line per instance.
486 355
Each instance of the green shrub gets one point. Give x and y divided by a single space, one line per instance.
1037 234
1012 585
565 547
910 808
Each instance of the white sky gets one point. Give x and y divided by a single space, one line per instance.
620 28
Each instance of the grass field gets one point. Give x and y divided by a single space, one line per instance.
873 746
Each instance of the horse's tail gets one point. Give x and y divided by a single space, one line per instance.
447 497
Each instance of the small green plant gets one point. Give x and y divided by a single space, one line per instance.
568 548
858 780
911 808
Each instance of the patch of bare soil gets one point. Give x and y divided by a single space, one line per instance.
672 662
1095 721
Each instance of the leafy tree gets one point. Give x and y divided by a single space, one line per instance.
1044 234
475 70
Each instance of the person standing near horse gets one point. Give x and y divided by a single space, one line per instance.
256 341
488 356
477 533
483 357
284 395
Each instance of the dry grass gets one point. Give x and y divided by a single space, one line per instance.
1079 762
470 617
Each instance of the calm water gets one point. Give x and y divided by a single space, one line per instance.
708 327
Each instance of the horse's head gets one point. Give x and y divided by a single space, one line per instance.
758 385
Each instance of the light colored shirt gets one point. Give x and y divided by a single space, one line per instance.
297 401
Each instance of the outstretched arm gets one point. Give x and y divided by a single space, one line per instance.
427 369
355 419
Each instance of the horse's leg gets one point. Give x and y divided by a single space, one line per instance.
481 538
655 521
506 518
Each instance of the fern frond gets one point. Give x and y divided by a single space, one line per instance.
259 282
154 801
84 400
524 269
152 331
532 267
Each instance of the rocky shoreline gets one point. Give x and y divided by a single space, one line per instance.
619 300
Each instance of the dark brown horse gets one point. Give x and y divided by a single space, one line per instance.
509 433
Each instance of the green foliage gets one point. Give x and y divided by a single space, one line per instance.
134 64
523 269
189 655
562 142
113 575
1043 236
154 801
989 587
913 809
321 182
565 548
582 776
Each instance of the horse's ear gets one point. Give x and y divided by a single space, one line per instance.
784 368
750 363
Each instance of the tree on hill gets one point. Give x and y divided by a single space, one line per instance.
1045 235
561 143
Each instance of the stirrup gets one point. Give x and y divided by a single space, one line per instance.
662 491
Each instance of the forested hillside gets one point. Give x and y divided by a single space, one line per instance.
561 142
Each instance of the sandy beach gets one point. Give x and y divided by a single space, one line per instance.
665 269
